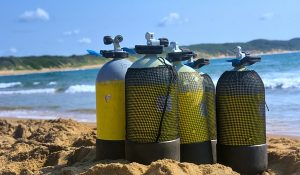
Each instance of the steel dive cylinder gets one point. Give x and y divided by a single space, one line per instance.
241 124
195 142
210 101
110 102
151 106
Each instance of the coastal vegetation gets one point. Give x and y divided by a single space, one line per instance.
203 50
258 46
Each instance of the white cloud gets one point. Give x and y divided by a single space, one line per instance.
85 40
72 32
36 15
13 50
172 18
266 16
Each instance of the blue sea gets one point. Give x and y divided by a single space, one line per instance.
71 94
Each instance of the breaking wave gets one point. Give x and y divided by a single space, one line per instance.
80 88
282 82
8 85
29 91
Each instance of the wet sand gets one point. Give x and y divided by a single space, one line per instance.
67 147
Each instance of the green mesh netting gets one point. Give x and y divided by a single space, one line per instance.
210 100
240 102
151 104
193 124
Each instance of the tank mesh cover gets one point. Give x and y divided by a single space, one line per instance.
210 98
151 104
193 124
240 104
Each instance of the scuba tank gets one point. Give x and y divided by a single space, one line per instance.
195 145
210 98
151 106
110 102
241 124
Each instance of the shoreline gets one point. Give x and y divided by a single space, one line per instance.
46 70
26 72
274 52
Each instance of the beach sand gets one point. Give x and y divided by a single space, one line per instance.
67 147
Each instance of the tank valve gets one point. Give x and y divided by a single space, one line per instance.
118 51
154 46
151 41
177 54
243 59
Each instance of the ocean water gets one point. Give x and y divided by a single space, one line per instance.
71 94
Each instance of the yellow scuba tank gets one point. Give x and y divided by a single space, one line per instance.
110 102
151 106
241 118
195 144
210 100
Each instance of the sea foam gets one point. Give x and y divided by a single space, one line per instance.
28 91
11 84
80 88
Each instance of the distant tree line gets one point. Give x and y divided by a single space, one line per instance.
203 50
258 46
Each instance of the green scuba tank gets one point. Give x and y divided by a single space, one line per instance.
151 106
195 142
241 118
110 102
210 101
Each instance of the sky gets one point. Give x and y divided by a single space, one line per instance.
56 27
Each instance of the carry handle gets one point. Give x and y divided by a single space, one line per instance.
180 56
118 51
199 63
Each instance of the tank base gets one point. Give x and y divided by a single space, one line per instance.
145 153
244 159
214 150
110 149
198 153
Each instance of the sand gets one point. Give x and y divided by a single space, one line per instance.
67 147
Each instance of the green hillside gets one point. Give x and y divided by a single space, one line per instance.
203 50
40 62
258 46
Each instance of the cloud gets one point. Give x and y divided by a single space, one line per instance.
266 16
85 40
72 32
13 50
172 18
36 15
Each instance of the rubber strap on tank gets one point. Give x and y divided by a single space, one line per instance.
246 61
179 56
198 63
113 54
172 79
144 49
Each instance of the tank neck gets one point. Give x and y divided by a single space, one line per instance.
178 63
115 59
152 56
243 68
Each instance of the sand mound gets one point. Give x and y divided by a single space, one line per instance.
284 155
160 167
29 145
67 147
